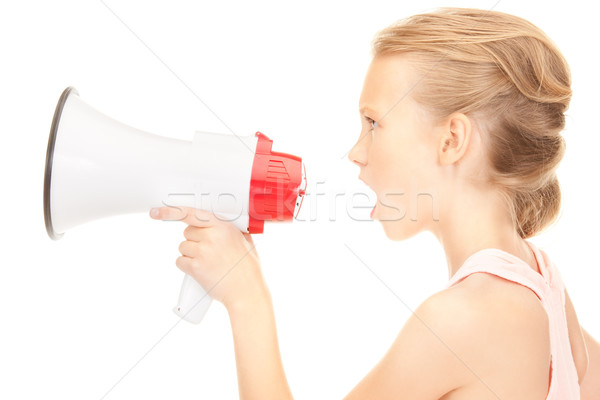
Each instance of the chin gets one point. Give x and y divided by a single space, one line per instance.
401 230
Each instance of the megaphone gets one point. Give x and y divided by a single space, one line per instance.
98 167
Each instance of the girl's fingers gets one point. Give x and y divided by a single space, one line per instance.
189 249
190 216
194 233
186 264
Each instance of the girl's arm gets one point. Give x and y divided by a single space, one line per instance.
590 386
259 367
444 345
433 354
223 260
461 339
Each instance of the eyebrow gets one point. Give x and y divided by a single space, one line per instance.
374 114
363 109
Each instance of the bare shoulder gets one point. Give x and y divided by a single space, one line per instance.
483 338
483 294
426 360
499 331
485 313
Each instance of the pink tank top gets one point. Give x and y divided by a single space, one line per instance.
550 290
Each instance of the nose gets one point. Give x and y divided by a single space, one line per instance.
358 153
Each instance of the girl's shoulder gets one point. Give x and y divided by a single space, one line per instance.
495 312
497 329
478 339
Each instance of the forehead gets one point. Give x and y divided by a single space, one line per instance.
389 78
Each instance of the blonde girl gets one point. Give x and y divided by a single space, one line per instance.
469 104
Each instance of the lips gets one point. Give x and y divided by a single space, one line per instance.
375 206
361 179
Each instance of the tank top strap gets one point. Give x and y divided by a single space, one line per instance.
549 288
510 267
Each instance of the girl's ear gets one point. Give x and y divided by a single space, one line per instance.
454 139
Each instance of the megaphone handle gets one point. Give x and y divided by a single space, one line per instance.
193 301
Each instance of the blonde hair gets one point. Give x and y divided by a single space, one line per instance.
507 74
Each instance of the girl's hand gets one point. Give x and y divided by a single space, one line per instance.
217 255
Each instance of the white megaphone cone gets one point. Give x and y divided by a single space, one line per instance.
98 167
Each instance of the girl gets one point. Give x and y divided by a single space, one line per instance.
469 104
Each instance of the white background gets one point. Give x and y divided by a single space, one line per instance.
89 316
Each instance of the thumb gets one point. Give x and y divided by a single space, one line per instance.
248 237
250 244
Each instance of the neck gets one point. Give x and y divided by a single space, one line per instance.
476 221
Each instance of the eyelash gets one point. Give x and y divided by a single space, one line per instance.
371 122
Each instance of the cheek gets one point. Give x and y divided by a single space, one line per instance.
389 163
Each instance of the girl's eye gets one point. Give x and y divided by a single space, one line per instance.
373 123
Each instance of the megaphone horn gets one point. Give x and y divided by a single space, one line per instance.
98 167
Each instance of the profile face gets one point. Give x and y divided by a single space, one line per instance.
396 149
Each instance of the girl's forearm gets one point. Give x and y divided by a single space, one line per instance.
259 367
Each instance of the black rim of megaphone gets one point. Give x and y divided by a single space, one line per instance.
50 157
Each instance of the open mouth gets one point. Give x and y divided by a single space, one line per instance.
374 195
